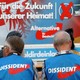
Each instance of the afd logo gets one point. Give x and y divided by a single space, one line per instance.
40 35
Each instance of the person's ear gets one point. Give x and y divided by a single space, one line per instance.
70 42
6 51
55 46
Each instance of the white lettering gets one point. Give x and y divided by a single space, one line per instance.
39 6
62 69
13 66
39 16
12 16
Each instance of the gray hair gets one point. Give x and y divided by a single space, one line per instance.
61 37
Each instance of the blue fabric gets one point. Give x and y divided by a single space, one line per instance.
16 61
65 63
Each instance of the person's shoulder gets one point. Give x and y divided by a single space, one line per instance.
20 58
51 59
57 56
28 59
76 52
75 56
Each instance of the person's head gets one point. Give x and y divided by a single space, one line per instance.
13 44
70 32
14 33
62 41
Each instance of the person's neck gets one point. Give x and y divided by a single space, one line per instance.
63 51
64 48
12 52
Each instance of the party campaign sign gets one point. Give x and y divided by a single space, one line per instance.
39 52
42 52
39 20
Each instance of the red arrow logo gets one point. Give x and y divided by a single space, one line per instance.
39 33
18 70
67 74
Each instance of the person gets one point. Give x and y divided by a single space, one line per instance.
70 32
65 65
12 65
73 48
12 33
